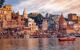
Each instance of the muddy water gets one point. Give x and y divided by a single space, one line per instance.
39 44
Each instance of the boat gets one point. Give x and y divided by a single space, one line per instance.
77 35
69 38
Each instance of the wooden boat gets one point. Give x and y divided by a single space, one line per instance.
70 38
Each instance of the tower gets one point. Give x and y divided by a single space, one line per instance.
25 15
18 15
62 24
19 20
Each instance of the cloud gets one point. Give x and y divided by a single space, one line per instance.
65 6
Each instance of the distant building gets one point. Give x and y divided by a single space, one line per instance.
79 19
38 18
45 24
73 17
52 21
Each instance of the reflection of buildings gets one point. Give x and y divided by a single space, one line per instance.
9 19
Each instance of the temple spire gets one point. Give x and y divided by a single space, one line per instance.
25 15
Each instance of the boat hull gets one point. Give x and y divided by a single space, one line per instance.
67 39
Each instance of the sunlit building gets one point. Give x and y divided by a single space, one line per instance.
73 17
9 19
29 24
64 27
79 19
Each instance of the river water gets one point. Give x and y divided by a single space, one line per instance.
39 44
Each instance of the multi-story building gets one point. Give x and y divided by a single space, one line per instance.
9 19
73 17
45 24
52 21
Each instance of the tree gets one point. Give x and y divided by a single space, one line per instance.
38 18
1 2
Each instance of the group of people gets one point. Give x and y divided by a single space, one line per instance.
11 33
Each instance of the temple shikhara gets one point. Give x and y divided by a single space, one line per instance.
64 26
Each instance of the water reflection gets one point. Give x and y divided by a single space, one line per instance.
67 45
33 44
38 44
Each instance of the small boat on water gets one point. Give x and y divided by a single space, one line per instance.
69 38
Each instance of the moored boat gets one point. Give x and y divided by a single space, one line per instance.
70 38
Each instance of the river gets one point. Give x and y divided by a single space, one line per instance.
39 44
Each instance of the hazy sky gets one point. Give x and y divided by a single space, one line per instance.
52 6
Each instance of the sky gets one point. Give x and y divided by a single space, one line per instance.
43 6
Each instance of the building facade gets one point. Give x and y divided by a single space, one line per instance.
9 19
